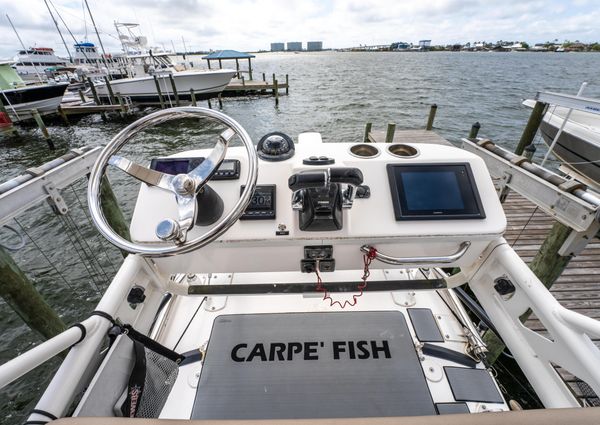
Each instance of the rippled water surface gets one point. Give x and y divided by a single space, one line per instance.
332 93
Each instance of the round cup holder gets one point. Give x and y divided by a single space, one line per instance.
402 151
364 150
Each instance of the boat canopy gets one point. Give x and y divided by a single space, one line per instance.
228 54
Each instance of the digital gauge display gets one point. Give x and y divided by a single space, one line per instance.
262 204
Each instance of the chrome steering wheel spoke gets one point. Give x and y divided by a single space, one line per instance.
143 174
203 172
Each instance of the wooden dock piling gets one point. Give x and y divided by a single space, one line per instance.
276 90
264 77
82 96
535 119
209 104
389 135
174 89
19 293
112 211
193 96
160 96
368 127
474 130
62 114
111 95
287 84
431 118
40 122
220 101
94 92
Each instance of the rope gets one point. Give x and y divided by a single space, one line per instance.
524 227
71 287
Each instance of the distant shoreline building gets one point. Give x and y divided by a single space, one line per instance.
277 47
314 46
294 46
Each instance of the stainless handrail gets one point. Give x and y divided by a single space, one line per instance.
416 261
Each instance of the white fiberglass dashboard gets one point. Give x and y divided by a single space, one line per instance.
400 216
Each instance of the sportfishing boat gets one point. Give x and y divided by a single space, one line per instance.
143 89
578 144
313 283
32 63
89 62
145 63
20 99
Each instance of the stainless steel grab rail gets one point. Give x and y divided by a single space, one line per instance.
416 261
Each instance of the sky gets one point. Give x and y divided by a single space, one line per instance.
251 25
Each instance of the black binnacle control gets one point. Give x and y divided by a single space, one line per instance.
275 146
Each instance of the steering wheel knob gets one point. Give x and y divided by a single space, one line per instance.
183 185
168 230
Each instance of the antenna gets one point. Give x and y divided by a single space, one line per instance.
23 46
59 33
99 39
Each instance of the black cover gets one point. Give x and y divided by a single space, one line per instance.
425 325
472 385
317 375
452 408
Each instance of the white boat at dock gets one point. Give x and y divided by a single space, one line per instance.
312 283
20 100
32 63
578 145
206 84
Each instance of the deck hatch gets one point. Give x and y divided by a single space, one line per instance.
472 385
425 326
317 365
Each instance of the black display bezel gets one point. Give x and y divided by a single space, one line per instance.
194 162
466 182
260 213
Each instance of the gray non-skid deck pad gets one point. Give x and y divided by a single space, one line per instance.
472 385
316 365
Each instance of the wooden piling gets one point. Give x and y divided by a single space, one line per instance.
431 118
174 89
220 101
264 77
273 83
20 294
40 122
535 119
160 96
193 96
389 135
94 92
63 115
474 130
367 132
287 84
112 212
111 95
276 90
209 104
82 96
243 81
122 105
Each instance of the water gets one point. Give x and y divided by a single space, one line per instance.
332 93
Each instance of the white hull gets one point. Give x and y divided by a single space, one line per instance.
144 88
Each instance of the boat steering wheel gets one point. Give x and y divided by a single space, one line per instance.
185 187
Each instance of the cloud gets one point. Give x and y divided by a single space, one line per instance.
254 24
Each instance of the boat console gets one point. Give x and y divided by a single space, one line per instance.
405 200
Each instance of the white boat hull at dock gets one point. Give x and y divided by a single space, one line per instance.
21 102
205 84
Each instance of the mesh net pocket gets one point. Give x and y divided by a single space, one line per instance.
150 383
